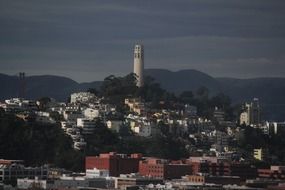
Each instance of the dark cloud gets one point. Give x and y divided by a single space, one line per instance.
90 39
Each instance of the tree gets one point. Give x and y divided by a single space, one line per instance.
37 144
116 89
164 128
55 116
93 91
202 93
187 97
44 101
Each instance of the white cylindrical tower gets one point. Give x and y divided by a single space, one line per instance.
139 64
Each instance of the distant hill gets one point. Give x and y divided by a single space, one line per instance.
183 80
56 87
270 91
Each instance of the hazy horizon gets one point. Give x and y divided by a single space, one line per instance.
123 74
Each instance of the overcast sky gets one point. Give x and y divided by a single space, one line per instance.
88 40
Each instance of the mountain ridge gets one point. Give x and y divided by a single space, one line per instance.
270 90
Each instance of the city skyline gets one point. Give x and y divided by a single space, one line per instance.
89 40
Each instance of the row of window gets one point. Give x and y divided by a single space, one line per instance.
137 55
23 172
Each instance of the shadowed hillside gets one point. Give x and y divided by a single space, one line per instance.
270 91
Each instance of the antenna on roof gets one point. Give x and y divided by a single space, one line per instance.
22 87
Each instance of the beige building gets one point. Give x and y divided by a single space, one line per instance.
251 113
260 154
244 118
136 105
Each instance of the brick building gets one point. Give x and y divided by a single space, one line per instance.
163 169
116 163
275 172
224 180
244 171
134 180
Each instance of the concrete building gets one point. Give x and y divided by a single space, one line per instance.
222 141
79 145
87 125
66 182
27 183
95 173
244 118
273 128
190 111
274 172
13 169
19 104
219 115
134 180
260 154
139 64
91 113
114 125
69 115
243 170
255 112
163 169
143 130
224 180
251 113
82 97
136 105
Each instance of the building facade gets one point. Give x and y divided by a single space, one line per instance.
116 163
163 169
11 170
251 113
139 64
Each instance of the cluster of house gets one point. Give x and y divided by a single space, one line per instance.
78 119
121 171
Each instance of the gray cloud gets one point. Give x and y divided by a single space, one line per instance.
90 39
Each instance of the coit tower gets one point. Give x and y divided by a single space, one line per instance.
139 64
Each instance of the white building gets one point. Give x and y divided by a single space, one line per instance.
47 120
95 173
143 128
13 169
87 125
222 141
33 183
82 97
143 131
273 127
244 118
219 115
91 113
114 125
139 64
251 114
190 111
79 145
19 104
72 115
